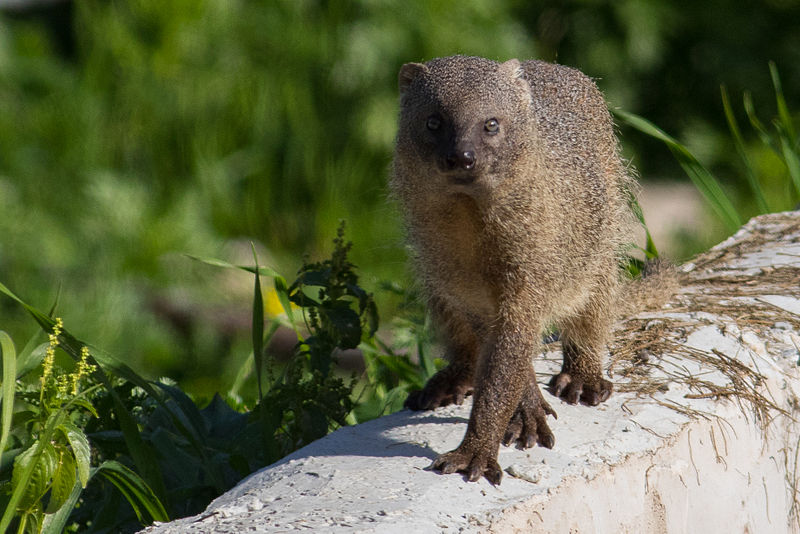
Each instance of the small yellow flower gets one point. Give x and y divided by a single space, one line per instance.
47 364
50 354
58 327
84 369
62 385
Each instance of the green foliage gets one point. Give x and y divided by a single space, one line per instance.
342 313
390 373
47 464
131 130
632 265
103 419
782 141
701 177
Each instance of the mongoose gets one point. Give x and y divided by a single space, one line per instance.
515 199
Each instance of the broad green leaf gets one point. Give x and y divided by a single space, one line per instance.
318 278
347 324
222 420
33 471
84 403
63 480
31 355
188 419
299 297
136 491
55 523
80 450
9 356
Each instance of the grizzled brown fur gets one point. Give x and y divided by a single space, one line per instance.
515 200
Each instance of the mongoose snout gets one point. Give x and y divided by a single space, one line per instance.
461 159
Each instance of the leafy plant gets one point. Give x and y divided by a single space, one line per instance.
61 431
48 464
390 373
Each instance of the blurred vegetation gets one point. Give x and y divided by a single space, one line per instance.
133 132
68 414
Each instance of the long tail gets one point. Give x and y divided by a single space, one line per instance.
653 289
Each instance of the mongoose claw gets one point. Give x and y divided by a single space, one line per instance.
572 389
473 465
448 386
528 425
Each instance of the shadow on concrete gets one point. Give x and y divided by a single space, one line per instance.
374 438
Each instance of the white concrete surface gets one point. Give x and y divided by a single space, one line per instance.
638 463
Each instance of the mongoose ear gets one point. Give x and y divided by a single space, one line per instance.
408 73
511 68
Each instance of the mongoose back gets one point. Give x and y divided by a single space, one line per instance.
515 200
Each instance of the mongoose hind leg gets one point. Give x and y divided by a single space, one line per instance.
528 425
584 342
574 383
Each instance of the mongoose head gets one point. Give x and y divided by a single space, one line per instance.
464 121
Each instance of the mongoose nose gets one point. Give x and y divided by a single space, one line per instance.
461 160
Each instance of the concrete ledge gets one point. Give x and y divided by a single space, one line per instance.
699 438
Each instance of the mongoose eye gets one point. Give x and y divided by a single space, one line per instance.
433 123
491 126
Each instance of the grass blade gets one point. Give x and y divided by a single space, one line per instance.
266 271
282 290
650 250
757 125
247 365
738 142
9 383
705 182
791 159
258 325
783 110
138 494
31 355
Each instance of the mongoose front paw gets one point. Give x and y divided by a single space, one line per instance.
473 464
573 388
528 425
438 392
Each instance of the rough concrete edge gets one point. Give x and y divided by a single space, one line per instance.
519 513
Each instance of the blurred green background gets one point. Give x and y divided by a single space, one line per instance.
134 132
